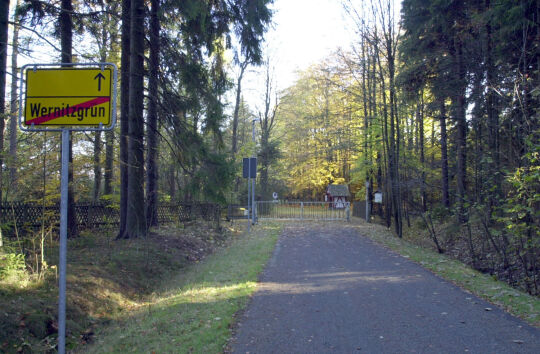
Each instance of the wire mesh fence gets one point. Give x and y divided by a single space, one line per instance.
22 216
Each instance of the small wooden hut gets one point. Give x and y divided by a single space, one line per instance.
338 195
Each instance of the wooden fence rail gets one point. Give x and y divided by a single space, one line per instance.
23 216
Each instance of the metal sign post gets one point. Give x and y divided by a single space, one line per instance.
248 195
253 175
246 168
64 98
64 183
249 171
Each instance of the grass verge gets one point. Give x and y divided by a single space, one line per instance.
106 280
514 301
195 311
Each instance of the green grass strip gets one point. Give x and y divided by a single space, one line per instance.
514 301
197 311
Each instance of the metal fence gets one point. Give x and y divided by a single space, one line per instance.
301 210
237 211
359 209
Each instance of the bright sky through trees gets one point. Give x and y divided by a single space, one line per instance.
305 32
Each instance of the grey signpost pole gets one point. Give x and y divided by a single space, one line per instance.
248 196
63 243
253 205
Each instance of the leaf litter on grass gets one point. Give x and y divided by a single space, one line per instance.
196 311
107 280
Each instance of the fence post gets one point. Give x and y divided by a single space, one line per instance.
348 211
302 210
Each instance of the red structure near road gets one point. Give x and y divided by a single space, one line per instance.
338 195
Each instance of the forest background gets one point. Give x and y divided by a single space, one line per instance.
436 106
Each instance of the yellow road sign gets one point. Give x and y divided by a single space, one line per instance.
68 96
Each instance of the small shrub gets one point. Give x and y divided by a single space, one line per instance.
10 264
440 213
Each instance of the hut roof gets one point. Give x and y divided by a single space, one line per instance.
338 190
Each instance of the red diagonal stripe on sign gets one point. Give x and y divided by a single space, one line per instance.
72 109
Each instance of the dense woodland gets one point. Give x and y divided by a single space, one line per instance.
436 105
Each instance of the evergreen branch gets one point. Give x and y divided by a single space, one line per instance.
57 10
46 40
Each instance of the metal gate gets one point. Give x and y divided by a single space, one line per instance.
300 210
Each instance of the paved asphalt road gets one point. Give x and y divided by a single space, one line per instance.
328 290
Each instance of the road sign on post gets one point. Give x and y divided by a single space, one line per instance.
64 98
245 167
69 96
74 96
249 167
253 167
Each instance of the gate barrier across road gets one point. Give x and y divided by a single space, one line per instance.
302 210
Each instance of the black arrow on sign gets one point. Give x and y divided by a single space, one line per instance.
99 77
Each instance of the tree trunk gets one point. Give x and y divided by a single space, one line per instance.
4 18
264 165
432 162
379 180
267 120
387 158
105 43
135 218
151 132
394 146
108 175
124 113
444 156
460 106
66 45
366 120
172 182
492 120
389 137
234 141
13 109
421 148
109 156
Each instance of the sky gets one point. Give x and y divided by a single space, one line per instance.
304 32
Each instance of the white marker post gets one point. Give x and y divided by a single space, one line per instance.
65 98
